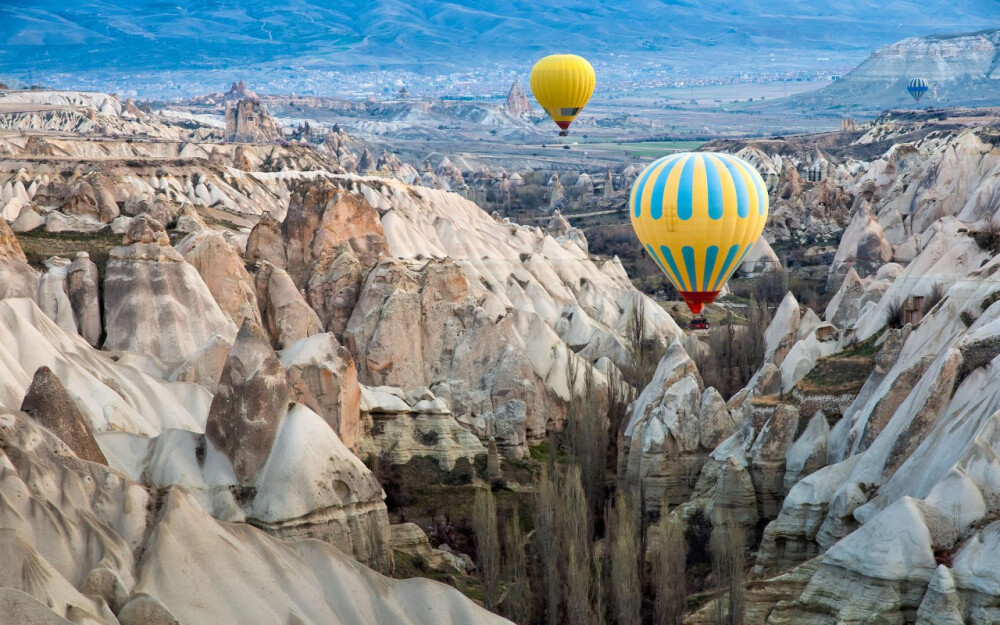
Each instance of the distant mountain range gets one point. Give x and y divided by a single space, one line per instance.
46 37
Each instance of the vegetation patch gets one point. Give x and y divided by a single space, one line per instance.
843 372
39 246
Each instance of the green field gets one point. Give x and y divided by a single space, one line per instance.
654 149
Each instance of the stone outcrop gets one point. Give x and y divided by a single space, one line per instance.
149 286
322 218
400 427
410 539
265 242
224 273
17 278
52 298
455 341
863 245
284 312
83 287
517 104
48 403
246 411
247 121
673 426
323 377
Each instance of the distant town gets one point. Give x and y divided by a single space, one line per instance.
483 84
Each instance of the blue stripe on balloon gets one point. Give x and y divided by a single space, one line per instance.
659 262
742 193
730 255
685 191
716 200
656 202
710 255
639 186
743 255
688 252
670 261
758 183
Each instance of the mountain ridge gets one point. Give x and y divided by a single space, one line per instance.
387 33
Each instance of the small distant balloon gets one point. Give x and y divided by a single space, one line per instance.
698 214
917 88
563 84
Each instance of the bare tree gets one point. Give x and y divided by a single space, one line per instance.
728 546
484 524
587 431
736 350
643 354
575 548
546 545
518 602
669 569
626 560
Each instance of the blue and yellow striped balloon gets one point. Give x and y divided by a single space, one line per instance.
698 214
917 88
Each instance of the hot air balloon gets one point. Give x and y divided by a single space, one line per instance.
917 88
698 214
562 84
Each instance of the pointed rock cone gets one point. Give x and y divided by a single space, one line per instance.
51 406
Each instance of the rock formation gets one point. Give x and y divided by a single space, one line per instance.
324 378
48 403
247 410
247 121
17 278
148 286
517 104
82 286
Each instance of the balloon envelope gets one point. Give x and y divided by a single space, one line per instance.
917 88
562 84
697 215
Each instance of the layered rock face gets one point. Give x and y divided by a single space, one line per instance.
959 69
399 427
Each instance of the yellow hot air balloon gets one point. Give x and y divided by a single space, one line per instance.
562 84
697 215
